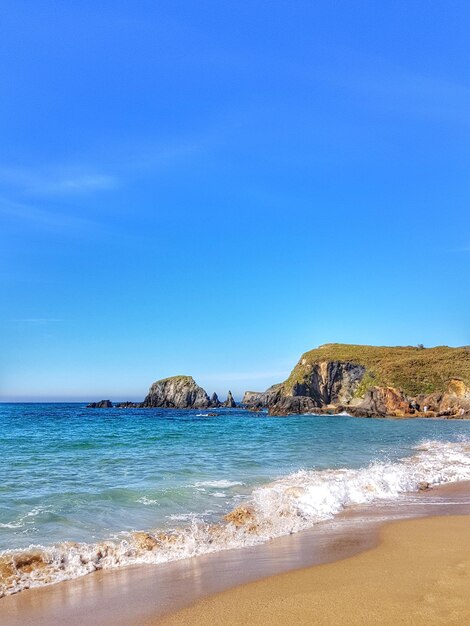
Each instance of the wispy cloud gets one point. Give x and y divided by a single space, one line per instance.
78 184
47 182
106 167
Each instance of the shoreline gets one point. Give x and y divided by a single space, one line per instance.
146 594
419 574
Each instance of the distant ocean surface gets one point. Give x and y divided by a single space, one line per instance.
78 483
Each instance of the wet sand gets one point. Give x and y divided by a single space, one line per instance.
146 594
418 574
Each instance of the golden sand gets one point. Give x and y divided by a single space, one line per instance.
419 574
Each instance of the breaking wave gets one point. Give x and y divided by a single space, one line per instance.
284 506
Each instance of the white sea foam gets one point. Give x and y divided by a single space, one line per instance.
146 501
185 517
221 484
24 519
284 506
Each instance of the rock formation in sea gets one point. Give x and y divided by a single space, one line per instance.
230 402
102 404
215 402
128 405
371 381
177 392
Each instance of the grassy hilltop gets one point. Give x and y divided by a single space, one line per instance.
415 370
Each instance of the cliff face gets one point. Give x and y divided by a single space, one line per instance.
260 399
177 392
329 382
375 381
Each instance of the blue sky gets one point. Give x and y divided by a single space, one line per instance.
213 188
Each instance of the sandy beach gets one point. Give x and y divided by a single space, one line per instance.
418 574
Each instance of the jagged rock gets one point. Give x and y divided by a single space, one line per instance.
253 398
230 402
331 382
260 399
215 402
177 392
102 404
286 405
128 405
382 402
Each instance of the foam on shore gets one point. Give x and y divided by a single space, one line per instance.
287 505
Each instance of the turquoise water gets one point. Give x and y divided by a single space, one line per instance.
76 474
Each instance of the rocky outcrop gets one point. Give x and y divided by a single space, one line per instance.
230 402
102 404
128 405
177 392
254 398
330 382
382 402
454 402
260 399
288 405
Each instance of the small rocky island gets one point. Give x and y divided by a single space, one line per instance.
175 392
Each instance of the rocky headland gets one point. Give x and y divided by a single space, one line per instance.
373 381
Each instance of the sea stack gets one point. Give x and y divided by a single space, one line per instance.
230 402
215 402
177 392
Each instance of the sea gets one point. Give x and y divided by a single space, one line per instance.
87 489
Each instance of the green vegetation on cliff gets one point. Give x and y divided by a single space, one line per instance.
176 379
414 370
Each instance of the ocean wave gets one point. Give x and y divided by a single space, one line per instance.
22 520
287 505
